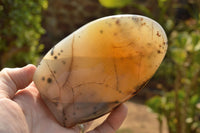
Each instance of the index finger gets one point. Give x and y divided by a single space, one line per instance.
113 122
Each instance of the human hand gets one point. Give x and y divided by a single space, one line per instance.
23 111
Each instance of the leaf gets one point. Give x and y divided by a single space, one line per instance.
197 46
181 95
194 100
114 3
179 55
197 57
155 104
189 120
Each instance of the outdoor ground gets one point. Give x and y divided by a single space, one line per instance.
139 120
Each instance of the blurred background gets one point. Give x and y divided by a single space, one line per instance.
170 103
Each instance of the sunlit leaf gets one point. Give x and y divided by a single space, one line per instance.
189 120
197 46
179 55
155 104
194 100
115 3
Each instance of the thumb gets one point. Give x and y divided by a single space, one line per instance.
12 79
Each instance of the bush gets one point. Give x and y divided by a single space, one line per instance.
181 105
20 32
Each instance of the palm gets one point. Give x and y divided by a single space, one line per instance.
23 111
38 117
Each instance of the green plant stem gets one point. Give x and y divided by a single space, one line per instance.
177 104
185 105
160 125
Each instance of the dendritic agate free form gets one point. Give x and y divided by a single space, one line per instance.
99 66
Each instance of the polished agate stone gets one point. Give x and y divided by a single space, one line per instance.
100 66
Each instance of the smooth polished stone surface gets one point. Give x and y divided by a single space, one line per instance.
99 66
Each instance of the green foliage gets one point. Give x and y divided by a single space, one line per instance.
185 54
179 74
164 106
20 31
180 106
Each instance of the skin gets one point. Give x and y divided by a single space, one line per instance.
23 111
